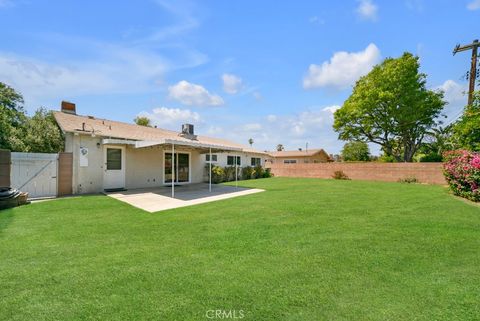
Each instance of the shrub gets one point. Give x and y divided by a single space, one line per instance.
258 171
386 159
409 180
432 157
218 174
229 173
247 172
340 175
267 173
462 172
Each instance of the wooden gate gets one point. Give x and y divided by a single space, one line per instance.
35 173
5 168
65 173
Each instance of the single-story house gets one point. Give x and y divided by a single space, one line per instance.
110 155
299 156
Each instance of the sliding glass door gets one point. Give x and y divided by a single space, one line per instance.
181 168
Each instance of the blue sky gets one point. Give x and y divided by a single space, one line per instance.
274 71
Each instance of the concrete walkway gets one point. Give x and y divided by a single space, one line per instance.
159 199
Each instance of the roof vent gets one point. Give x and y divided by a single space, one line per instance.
187 129
68 108
188 132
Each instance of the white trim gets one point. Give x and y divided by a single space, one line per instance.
147 143
166 151
113 141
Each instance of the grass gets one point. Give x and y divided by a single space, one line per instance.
305 249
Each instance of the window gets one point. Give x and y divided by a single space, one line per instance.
256 161
114 159
231 162
289 161
214 157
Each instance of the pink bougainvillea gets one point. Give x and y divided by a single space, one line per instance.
462 171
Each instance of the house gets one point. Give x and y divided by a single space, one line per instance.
111 155
299 156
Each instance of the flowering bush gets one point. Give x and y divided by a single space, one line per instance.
462 171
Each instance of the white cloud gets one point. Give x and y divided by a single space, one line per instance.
367 10
456 97
343 69
453 91
214 130
5 3
122 70
231 83
271 118
416 5
253 127
171 117
257 95
192 94
331 109
473 5
315 20
313 125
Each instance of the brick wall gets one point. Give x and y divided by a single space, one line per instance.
430 173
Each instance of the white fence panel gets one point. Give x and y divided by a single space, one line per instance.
35 173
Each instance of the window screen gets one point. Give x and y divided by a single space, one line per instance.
255 161
207 157
231 162
114 159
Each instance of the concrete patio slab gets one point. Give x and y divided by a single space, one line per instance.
159 199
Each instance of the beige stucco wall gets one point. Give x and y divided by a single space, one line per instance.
86 179
143 166
245 158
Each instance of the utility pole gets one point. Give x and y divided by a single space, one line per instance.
473 69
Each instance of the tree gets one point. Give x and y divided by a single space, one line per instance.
280 148
12 115
356 151
437 141
143 121
466 131
391 107
250 141
40 134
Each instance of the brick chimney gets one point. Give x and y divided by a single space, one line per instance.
68 107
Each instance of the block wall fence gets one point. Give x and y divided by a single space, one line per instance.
430 173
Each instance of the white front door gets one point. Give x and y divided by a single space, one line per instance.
114 176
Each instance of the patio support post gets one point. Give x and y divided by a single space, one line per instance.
210 172
236 171
173 170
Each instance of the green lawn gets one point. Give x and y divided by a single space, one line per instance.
305 249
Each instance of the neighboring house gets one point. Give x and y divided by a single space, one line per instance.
110 155
299 156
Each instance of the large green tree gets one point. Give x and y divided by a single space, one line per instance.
466 130
143 121
356 151
20 133
391 107
12 115
40 134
